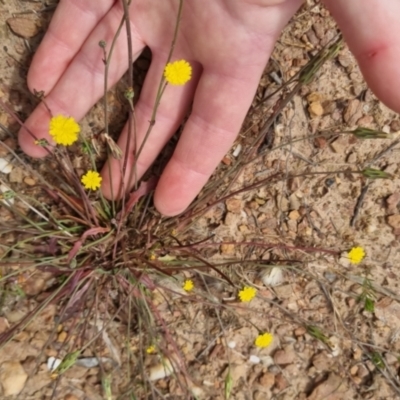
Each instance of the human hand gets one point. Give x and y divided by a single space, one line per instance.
227 42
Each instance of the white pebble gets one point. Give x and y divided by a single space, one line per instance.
272 277
53 363
161 370
197 391
254 359
231 344
267 361
5 166
335 346
237 150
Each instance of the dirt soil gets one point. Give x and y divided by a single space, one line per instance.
358 355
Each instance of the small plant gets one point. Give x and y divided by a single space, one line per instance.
119 262
368 296
317 333
228 384
377 359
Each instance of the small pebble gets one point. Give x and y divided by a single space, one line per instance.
30 181
267 380
12 378
394 222
234 205
53 363
228 249
226 160
267 361
330 276
284 357
237 150
62 336
4 325
161 370
272 277
5 166
70 396
254 359
320 142
10 143
294 215
16 175
315 109
354 370
391 359
281 382
300 331
24 27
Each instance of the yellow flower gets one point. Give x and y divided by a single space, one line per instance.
247 294
264 340
91 180
64 130
178 72
151 349
356 255
188 285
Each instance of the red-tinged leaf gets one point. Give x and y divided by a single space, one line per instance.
73 202
74 251
56 271
75 301
144 188
78 244
75 219
49 248
130 289
94 231
52 193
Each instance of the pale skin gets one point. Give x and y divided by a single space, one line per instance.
228 43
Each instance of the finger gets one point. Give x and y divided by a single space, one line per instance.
371 29
219 109
71 24
174 104
223 96
82 84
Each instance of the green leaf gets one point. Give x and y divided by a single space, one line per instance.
369 305
374 173
228 385
377 359
68 361
316 332
107 387
8 194
366 133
